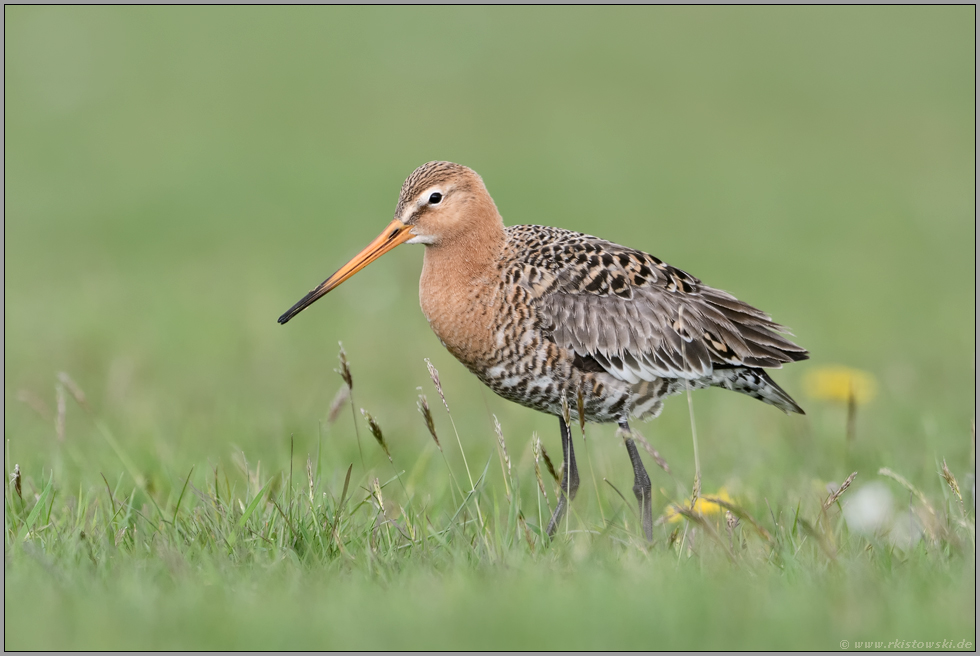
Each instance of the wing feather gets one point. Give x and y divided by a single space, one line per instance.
638 317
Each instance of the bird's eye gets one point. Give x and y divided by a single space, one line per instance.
435 198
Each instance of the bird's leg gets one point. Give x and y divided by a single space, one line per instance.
569 478
641 484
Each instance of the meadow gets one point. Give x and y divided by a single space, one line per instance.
184 473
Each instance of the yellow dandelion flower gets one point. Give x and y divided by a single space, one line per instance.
839 383
701 506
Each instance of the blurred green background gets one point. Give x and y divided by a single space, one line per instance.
177 177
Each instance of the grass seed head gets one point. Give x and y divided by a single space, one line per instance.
376 488
15 480
566 414
951 481
536 452
547 463
953 485
904 482
344 370
339 399
659 459
309 477
696 492
434 374
835 495
503 445
730 523
73 389
376 431
426 413
527 532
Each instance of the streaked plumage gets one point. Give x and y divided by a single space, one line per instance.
621 327
541 313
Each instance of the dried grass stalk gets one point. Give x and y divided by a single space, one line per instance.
376 431
423 405
434 374
15 481
953 485
657 458
309 477
503 445
376 490
901 480
548 464
730 523
527 532
740 513
339 399
536 452
73 389
344 370
835 495
699 519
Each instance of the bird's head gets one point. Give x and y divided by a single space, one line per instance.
439 203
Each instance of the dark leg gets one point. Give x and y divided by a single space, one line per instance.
569 479
641 484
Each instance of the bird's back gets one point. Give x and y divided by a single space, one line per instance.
577 314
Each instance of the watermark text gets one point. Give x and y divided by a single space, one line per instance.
907 644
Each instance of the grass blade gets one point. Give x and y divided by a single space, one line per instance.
253 504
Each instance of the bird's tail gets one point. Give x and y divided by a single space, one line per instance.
756 383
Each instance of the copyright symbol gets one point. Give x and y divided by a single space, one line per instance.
844 644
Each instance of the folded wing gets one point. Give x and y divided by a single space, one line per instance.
642 319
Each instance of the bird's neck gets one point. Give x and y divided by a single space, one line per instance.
459 283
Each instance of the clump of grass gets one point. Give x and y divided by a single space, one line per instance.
255 517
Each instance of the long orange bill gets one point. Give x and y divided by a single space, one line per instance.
396 233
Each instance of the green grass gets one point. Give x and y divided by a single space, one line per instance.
175 178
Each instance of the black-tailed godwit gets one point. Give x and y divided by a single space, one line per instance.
543 314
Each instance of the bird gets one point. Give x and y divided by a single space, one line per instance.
563 322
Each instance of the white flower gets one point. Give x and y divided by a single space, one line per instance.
869 509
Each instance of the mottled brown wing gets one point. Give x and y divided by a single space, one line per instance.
638 317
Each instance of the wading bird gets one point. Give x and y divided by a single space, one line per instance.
546 317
